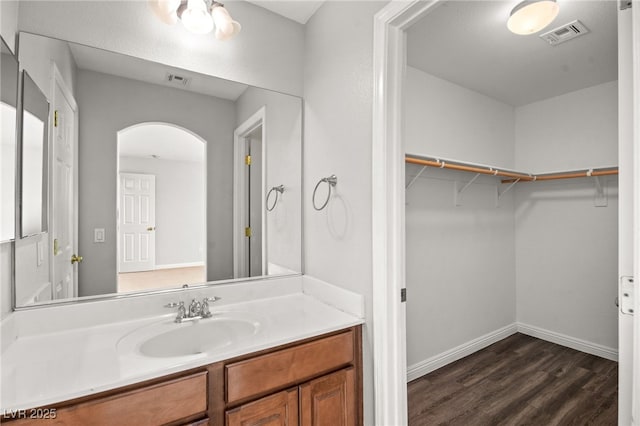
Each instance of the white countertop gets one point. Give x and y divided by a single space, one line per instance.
57 366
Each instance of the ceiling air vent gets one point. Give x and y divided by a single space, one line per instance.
565 33
177 79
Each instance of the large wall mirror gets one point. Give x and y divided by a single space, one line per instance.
8 126
159 177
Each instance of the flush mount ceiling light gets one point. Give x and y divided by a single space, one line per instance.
197 16
531 16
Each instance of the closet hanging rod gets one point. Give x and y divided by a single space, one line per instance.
512 176
463 168
571 175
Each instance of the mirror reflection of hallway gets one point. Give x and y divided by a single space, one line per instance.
161 207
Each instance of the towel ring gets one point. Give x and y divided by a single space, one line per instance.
276 189
331 181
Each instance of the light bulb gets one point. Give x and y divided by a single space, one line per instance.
196 18
222 20
165 10
530 17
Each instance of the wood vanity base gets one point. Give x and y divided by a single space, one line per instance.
316 381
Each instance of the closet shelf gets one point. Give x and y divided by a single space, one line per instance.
512 176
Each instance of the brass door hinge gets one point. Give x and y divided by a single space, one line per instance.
247 160
55 118
247 232
56 247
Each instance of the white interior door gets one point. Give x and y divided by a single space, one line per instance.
63 220
136 230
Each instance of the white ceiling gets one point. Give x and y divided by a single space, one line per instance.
162 140
297 10
90 58
468 43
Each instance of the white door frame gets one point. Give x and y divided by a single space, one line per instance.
389 328
240 187
58 80
635 394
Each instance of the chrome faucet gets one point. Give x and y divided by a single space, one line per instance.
196 309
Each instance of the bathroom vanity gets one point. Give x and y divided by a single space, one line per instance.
294 358
313 381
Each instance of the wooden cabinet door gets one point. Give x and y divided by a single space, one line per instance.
280 409
329 400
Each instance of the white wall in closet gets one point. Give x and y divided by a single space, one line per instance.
546 258
451 121
460 260
566 248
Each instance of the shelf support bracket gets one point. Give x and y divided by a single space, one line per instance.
415 178
501 194
458 192
600 198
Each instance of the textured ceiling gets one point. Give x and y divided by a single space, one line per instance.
468 43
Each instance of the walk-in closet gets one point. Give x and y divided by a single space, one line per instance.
512 214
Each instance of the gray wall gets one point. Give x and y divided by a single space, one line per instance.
109 104
460 262
9 22
450 121
338 93
180 208
567 249
283 145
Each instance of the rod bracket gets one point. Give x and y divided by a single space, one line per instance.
507 189
415 178
458 192
600 198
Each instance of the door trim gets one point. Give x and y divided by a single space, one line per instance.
635 28
388 225
239 191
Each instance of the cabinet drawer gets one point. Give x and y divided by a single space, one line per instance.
152 405
287 367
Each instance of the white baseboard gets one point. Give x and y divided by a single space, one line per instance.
179 265
424 367
431 364
568 341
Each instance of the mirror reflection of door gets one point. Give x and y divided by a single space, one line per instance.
63 192
253 146
161 207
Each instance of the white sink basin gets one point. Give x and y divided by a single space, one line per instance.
195 338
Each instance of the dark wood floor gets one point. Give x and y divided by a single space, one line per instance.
520 380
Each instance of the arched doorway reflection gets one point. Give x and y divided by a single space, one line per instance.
161 207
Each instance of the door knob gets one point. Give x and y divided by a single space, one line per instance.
151 228
75 259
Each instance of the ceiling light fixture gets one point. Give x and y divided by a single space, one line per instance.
197 16
530 16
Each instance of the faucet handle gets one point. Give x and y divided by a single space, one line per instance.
174 304
206 313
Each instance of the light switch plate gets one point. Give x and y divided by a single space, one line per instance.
98 235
